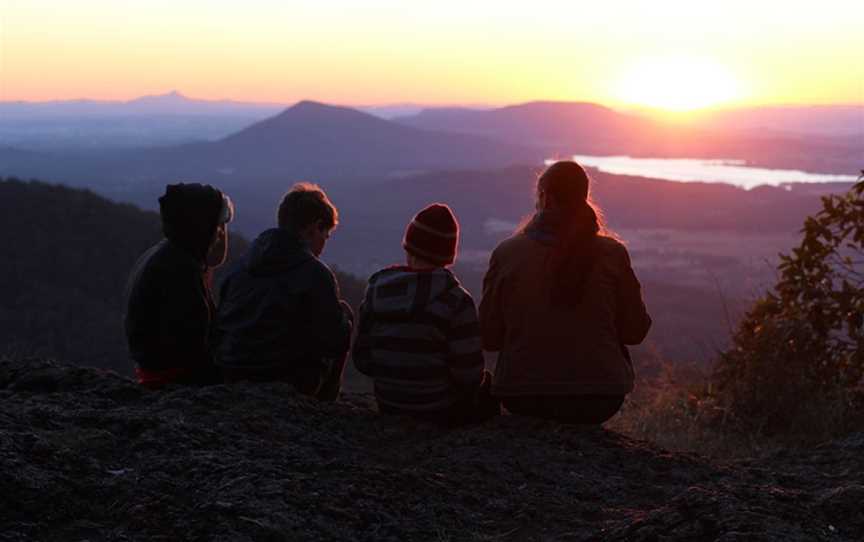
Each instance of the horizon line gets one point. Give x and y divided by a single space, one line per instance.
430 105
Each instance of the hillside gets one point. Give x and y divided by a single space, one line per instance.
89 455
565 128
309 139
67 255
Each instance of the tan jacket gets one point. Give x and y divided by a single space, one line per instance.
546 350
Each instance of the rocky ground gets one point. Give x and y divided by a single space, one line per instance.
87 455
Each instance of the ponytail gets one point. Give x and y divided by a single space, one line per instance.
564 187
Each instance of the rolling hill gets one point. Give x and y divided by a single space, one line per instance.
309 139
565 128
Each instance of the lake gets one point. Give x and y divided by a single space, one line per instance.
733 172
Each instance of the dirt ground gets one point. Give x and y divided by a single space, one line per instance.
88 455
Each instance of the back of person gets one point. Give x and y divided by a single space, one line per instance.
280 311
169 310
419 336
419 339
280 316
560 304
547 348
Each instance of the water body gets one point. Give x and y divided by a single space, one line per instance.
713 171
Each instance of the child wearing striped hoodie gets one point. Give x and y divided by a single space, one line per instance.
418 331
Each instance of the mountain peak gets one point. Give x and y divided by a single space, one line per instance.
313 107
171 97
310 104
310 111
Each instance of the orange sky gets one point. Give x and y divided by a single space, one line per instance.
707 53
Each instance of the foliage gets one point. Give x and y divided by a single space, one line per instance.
797 360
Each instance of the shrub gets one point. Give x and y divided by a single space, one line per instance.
796 361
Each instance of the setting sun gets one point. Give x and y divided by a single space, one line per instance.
677 84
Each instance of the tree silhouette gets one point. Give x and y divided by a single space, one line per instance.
802 344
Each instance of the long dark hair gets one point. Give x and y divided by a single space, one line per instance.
564 189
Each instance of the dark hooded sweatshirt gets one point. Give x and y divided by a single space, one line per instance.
280 310
168 316
168 305
419 339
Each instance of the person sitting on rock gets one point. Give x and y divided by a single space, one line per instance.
560 302
169 309
280 315
418 333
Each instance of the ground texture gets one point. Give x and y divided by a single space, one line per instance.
87 455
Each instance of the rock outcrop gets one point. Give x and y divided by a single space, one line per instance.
88 455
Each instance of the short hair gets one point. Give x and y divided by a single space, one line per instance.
306 204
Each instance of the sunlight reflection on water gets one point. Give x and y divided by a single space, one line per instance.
715 171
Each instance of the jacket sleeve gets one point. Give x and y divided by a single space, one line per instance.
362 352
491 315
465 357
631 319
330 318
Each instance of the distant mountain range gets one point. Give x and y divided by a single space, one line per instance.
172 103
773 137
308 140
311 140
158 120
551 125
821 120
765 135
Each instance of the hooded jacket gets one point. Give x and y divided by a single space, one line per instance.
280 309
168 315
551 348
169 309
419 339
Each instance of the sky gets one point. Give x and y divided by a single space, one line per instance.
670 54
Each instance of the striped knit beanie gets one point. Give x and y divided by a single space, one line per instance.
432 235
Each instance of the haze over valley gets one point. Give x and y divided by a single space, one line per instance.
703 250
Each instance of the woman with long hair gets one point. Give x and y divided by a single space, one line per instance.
560 304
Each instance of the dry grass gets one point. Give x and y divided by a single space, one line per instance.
677 411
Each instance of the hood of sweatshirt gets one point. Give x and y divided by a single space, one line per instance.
402 292
275 251
190 214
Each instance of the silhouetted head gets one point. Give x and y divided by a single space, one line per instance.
307 212
195 217
564 188
432 237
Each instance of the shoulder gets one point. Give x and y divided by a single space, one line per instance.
613 251
320 272
463 296
165 263
383 274
457 297
611 244
382 277
515 244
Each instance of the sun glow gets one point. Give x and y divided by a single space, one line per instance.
677 84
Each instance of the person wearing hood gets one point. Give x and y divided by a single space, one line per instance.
280 316
418 331
169 308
